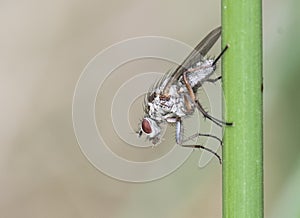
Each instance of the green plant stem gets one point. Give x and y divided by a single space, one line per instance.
242 84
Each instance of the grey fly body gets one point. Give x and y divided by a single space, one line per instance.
174 96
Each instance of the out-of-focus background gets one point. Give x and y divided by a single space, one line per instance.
44 47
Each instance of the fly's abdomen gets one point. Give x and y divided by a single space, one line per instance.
199 74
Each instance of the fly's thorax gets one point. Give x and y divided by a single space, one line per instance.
173 105
159 107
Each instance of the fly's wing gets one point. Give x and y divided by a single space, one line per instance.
195 56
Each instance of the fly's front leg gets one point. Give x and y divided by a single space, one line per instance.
179 132
180 141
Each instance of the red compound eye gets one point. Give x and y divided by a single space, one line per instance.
146 126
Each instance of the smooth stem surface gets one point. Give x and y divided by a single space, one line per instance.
242 81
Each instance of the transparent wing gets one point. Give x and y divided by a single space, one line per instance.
195 56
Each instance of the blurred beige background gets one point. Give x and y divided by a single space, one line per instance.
44 47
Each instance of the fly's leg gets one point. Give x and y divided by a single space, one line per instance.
179 134
191 97
213 119
180 141
204 148
215 62
202 134
220 55
214 80
199 106
188 86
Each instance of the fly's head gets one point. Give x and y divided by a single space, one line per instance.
151 129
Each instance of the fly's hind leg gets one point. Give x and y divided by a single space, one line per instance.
199 106
188 86
208 116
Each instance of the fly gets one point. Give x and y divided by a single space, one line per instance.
174 96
